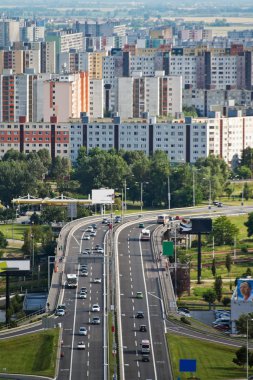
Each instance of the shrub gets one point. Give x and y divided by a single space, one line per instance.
185 320
244 249
226 301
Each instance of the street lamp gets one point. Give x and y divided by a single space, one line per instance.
142 183
210 193
248 319
169 195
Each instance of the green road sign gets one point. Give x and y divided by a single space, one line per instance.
168 248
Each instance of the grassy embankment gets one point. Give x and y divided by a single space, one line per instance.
214 361
31 354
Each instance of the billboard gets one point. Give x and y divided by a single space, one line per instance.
14 265
245 289
103 196
196 226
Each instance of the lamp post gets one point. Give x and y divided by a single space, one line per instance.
248 319
142 183
210 193
242 202
125 208
169 195
193 187
48 270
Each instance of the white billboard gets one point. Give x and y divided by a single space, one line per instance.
103 196
14 265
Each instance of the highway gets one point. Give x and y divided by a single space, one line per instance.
138 273
88 363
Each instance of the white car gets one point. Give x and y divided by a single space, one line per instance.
86 237
84 273
81 346
93 233
83 295
60 312
89 229
83 289
83 331
100 250
97 280
95 307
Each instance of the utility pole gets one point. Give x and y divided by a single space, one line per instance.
168 192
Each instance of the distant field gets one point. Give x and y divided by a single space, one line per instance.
15 231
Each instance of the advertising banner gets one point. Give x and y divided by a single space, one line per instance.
245 289
103 196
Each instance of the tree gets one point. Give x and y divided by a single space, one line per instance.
226 301
228 262
209 296
241 357
3 240
224 231
247 192
243 172
51 214
249 224
241 324
247 158
218 287
35 219
213 267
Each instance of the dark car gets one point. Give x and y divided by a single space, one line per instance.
94 226
96 321
139 314
145 357
143 328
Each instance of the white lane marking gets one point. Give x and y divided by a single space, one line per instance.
149 323
137 363
135 333
135 342
139 375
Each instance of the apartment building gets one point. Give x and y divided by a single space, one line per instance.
65 96
159 95
9 32
29 137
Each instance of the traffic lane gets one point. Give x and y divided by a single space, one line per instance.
130 262
158 327
83 318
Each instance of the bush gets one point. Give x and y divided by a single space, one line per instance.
226 301
244 249
185 320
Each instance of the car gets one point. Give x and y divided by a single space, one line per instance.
183 314
143 328
94 226
139 295
219 204
86 252
86 237
89 229
60 312
141 225
221 320
83 331
100 250
84 273
97 280
139 314
184 309
95 321
81 345
83 289
117 219
105 220
215 203
93 233
62 306
84 267
222 327
145 357
97 246
95 307
82 295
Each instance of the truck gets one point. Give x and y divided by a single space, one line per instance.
145 346
71 281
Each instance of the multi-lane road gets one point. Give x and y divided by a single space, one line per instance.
135 271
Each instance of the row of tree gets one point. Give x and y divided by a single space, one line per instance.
208 178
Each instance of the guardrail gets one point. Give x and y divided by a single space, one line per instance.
23 320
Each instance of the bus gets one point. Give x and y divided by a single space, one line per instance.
71 280
145 234
163 219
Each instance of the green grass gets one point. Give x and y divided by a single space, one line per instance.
33 354
214 361
15 231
